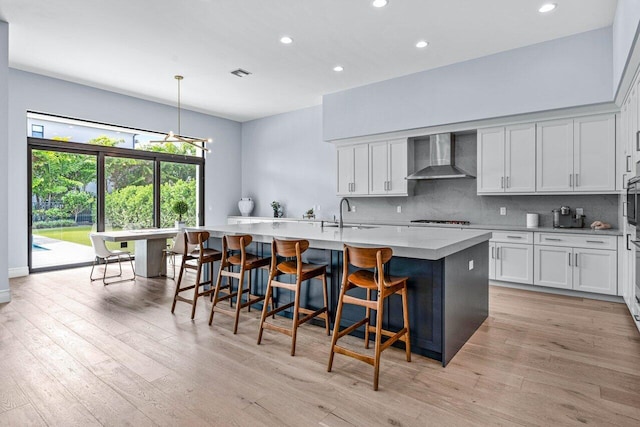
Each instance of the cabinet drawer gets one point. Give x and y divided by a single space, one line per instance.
576 240
513 237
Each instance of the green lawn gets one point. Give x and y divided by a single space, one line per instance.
78 234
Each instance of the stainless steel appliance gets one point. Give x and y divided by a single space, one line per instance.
441 221
631 205
442 155
565 218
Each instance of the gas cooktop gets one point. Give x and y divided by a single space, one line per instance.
442 221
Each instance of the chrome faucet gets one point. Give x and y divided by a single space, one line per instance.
344 199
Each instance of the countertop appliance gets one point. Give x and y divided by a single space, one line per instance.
441 221
565 218
442 165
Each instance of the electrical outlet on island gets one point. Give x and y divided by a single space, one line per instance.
503 211
399 209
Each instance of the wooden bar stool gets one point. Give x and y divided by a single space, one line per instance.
201 256
302 271
385 286
246 262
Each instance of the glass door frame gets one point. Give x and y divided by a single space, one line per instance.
101 152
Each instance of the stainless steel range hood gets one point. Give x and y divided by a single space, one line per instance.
442 155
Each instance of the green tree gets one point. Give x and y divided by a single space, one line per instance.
77 201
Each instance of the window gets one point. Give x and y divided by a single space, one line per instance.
103 184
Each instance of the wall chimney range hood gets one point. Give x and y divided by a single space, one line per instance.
442 155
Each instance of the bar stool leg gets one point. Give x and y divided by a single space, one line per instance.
367 325
216 293
178 283
336 327
326 302
376 363
405 315
267 297
196 288
296 316
239 299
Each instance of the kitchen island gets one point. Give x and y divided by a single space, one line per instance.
447 269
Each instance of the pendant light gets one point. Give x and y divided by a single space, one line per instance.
177 137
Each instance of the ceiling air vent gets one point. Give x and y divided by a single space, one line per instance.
240 72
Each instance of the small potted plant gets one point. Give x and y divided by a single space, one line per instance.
309 214
180 207
278 211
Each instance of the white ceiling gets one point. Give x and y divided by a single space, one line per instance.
135 47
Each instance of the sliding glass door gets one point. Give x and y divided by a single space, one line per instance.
63 207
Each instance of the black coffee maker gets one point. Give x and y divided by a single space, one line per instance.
565 218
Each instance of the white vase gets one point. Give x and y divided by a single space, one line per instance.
246 206
180 225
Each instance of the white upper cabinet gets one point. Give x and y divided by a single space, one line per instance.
594 153
374 169
491 160
353 170
520 156
576 155
506 159
388 168
554 156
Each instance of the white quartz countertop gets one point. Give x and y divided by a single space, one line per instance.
586 230
423 243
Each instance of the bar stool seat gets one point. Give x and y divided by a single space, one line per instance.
245 262
370 258
302 271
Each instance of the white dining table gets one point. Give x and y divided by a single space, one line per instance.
150 242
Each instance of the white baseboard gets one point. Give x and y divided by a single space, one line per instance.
567 292
18 272
5 295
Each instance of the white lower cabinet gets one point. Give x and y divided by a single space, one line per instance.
580 269
553 267
511 262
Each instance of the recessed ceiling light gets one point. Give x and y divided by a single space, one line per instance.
379 3
286 40
338 68
422 44
547 7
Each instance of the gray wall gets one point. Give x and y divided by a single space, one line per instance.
625 26
44 94
457 199
285 159
571 71
4 175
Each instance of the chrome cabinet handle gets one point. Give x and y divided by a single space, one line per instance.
569 258
386 185
628 239
498 252
576 260
514 237
493 251
628 168
553 240
595 241
577 180
502 182
508 185
570 180
389 185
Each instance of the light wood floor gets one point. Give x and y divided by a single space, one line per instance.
74 352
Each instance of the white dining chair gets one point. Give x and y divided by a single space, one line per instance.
177 248
105 254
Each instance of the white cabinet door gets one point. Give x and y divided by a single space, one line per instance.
553 267
360 169
554 156
345 170
520 158
514 263
594 158
595 270
398 167
378 167
491 160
